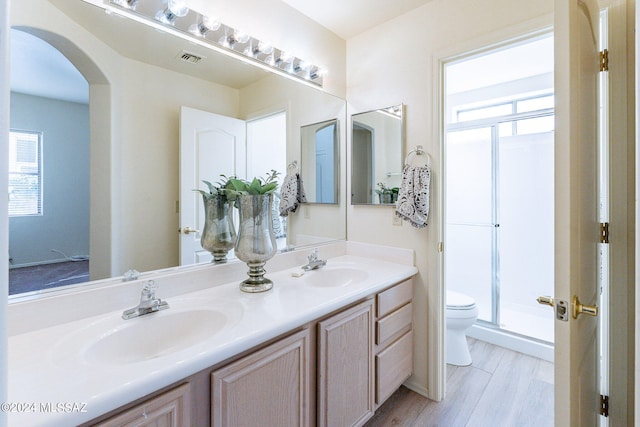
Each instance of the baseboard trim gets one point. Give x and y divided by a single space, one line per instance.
413 386
34 264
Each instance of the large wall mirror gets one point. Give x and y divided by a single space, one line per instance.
320 161
123 140
377 154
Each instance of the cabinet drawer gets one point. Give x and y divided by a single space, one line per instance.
394 325
393 298
393 366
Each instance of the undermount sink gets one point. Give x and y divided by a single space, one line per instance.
110 340
335 276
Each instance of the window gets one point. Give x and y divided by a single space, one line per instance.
25 173
518 105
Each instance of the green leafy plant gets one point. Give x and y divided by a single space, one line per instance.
257 186
222 188
383 189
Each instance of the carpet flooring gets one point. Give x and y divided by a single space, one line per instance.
46 276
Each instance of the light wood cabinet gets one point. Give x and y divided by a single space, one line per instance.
270 387
394 339
169 409
334 372
345 367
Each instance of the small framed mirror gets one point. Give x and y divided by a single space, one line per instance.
320 161
377 148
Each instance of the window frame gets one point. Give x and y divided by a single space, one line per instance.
38 173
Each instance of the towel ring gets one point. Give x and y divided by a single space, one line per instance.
416 152
293 165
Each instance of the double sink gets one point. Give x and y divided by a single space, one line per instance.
189 322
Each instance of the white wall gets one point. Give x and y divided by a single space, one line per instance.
397 62
64 223
4 175
285 28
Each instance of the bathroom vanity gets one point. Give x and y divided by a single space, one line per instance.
325 349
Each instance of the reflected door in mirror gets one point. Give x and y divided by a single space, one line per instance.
210 145
320 163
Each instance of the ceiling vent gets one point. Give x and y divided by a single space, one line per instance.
189 57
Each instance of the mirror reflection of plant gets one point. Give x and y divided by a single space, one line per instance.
257 186
383 189
222 188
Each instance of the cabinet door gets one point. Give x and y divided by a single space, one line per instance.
169 409
267 388
345 367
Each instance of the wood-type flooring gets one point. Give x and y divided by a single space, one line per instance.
501 388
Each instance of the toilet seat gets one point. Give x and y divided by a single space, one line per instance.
458 301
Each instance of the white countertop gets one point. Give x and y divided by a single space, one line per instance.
46 366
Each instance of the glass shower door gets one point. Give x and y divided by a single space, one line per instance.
471 262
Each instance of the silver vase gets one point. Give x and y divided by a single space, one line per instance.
219 234
256 243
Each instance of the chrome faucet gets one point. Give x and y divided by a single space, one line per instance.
149 303
314 262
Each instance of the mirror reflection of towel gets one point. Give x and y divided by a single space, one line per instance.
413 196
291 194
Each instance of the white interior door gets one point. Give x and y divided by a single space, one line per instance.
210 145
576 216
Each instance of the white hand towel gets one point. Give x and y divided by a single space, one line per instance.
413 196
292 194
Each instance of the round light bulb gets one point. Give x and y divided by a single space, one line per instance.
286 57
265 48
210 24
241 36
127 4
178 7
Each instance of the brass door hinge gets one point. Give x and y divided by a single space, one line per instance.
604 232
604 406
604 60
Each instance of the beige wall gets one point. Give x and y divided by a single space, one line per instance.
397 62
312 223
140 146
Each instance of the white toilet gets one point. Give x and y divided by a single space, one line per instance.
461 313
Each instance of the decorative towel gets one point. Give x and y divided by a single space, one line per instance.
413 196
291 194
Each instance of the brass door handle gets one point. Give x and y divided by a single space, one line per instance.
188 230
545 300
578 308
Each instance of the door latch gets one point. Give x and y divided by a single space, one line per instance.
560 307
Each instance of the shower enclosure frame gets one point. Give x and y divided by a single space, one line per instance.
493 123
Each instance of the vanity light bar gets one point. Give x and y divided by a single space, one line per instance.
211 33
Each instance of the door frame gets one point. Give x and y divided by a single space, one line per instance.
624 47
622 192
505 37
